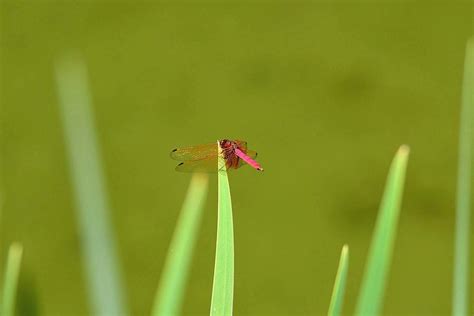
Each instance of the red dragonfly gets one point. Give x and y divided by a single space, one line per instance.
204 158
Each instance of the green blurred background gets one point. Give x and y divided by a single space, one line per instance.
324 91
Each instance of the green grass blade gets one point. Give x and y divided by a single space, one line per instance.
11 279
463 199
375 276
170 291
104 283
337 297
223 286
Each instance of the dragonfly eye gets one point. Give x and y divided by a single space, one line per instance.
225 143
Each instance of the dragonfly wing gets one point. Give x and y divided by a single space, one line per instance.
242 145
204 166
251 153
198 152
208 165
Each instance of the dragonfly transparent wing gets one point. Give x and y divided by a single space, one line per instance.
242 145
251 153
198 152
207 165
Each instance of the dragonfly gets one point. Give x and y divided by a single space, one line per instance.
204 158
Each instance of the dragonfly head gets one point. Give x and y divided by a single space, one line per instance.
225 143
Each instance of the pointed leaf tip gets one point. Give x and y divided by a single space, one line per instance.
404 150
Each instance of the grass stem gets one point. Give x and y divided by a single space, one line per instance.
171 289
380 253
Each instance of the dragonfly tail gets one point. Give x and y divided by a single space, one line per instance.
248 160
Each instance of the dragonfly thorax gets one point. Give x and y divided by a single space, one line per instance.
228 152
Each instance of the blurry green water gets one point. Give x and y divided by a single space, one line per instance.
326 92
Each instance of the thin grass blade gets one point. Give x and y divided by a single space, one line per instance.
11 279
460 305
376 271
171 289
337 298
223 286
105 289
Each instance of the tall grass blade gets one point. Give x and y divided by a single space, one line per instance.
375 276
223 286
337 297
11 279
463 197
170 291
104 282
